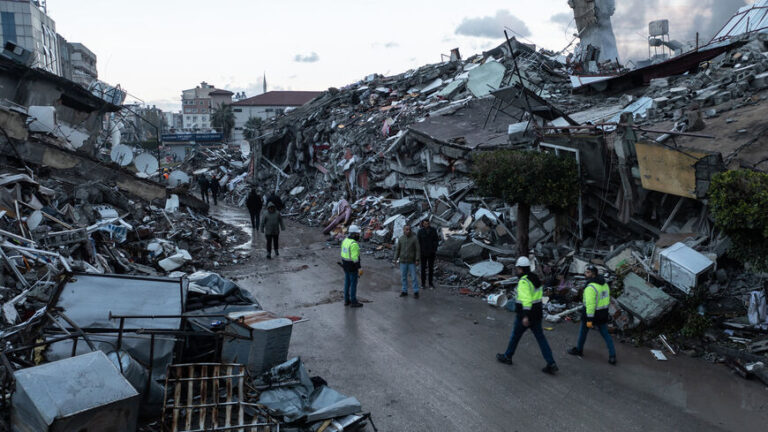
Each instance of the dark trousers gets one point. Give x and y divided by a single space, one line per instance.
603 330
204 195
350 286
427 262
215 196
538 332
254 220
272 240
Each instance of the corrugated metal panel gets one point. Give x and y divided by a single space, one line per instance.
749 19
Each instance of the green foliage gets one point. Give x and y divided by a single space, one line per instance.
223 118
738 201
695 325
252 127
528 177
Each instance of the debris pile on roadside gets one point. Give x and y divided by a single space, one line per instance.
388 151
105 286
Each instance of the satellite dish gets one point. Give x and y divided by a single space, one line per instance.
122 154
177 178
146 163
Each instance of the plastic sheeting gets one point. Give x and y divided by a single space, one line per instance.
304 402
212 284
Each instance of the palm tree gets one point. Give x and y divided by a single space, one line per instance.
224 119
251 128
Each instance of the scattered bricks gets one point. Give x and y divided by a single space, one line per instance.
722 97
660 83
450 247
660 102
760 82
470 252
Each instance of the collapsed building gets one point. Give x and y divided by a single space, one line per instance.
394 150
111 318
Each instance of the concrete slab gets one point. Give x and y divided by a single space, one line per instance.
644 301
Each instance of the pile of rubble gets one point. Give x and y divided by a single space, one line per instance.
109 310
389 151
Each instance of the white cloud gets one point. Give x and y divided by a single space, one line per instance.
307 58
492 26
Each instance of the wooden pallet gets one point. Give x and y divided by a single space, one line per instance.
211 397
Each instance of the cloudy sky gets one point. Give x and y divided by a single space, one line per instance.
155 49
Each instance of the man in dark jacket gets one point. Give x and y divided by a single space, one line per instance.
271 224
529 314
202 181
428 244
253 202
215 189
594 314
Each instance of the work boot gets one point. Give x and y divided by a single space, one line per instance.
612 360
403 294
575 352
415 295
277 253
346 302
356 305
550 369
502 358
431 285
269 256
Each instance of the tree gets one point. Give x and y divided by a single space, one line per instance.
527 178
251 128
223 119
738 201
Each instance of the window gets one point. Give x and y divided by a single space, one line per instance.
8 21
238 110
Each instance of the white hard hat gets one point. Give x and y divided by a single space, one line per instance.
523 262
354 229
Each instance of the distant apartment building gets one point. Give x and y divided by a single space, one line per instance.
199 103
26 24
267 105
83 63
173 120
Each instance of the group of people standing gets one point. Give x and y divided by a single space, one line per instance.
207 184
411 250
270 221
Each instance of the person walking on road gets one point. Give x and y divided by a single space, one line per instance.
202 181
271 224
594 314
215 188
253 202
350 261
275 199
407 253
529 315
428 244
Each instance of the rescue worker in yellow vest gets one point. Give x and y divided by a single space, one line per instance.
529 314
597 298
350 261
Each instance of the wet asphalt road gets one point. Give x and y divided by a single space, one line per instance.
428 364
